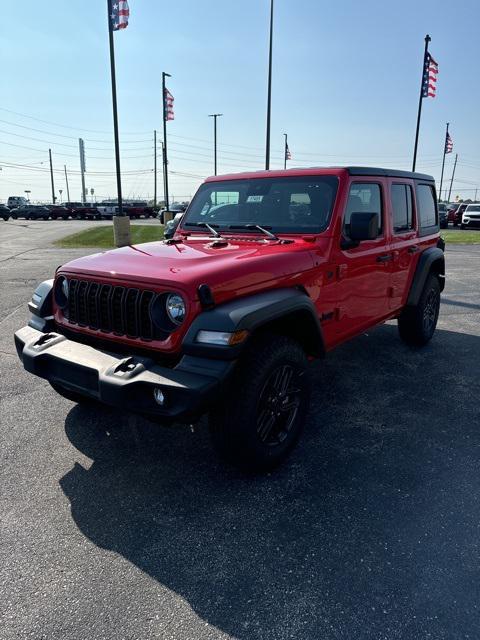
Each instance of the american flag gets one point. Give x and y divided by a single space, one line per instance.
169 114
119 15
430 72
448 143
288 155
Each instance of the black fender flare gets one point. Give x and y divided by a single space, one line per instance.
288 310
431 259
41 307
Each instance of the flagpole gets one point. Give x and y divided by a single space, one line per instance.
285 152
269 92
115 112
154 168
165 156
453 175
420 101
443 161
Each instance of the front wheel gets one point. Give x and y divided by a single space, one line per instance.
262 415
417 324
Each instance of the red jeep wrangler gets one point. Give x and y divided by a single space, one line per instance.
264 272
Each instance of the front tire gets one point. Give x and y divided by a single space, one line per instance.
417 324
262 415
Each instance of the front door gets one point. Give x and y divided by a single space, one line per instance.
363 272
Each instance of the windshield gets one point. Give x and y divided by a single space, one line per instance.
473 207
284 205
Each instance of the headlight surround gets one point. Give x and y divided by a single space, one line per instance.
176 308
61 292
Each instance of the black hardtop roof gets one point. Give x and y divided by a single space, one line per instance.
389 173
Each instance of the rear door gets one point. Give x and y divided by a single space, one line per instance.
403 239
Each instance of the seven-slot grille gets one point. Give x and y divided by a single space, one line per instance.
113 309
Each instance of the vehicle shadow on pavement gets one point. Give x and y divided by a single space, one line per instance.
370 530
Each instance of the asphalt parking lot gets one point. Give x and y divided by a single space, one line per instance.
115 528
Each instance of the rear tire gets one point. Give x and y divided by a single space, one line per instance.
263 412
71 395
417 324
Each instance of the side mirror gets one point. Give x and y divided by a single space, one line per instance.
171 226
363 226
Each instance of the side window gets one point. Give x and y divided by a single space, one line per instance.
427 210
402 206
363 197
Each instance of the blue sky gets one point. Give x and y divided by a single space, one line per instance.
345 87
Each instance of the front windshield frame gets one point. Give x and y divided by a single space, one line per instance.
193 215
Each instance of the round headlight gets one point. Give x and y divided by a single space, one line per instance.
61 292
175 306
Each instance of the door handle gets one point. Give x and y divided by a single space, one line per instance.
386 258
413 249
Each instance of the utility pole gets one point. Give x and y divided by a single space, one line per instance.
420 101
215 116
66 180
453 175
285 151
51 176
443 161
476 194
81 147
154 168
165 156
269 91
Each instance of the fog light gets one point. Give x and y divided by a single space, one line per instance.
159 396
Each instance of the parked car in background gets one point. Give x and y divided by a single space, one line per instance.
58 211
451 208
87 212
457 219
31 212
71 206
172 226
174 208
107 210
471 216
138 209
442 215
16 201
4 212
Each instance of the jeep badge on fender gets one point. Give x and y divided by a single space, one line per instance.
264 272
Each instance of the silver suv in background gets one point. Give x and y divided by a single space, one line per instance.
471 216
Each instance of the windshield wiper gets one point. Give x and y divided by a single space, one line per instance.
213 231
268 233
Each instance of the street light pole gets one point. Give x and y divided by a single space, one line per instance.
269 91
215 116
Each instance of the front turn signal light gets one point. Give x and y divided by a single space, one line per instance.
223 338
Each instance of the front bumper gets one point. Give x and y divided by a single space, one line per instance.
471 222
125 382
